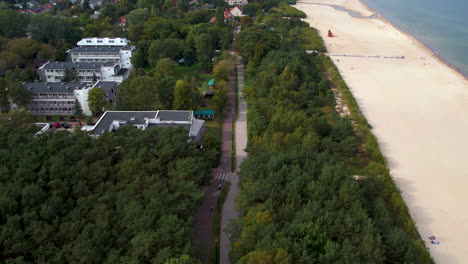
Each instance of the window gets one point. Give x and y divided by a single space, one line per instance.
111 41
88 41
99 41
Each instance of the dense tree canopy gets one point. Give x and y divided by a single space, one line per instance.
299 200
127 197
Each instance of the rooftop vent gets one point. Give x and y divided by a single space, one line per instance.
49 87
132 118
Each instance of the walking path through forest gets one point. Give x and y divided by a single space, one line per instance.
229 212
204 217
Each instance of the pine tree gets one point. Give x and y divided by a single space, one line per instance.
78 111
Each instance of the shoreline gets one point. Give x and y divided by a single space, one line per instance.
381 17
417 107
418 42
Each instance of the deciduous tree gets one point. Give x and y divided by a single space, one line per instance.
97 101
183 96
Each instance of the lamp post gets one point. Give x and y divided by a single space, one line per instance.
216 251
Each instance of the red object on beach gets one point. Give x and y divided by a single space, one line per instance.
330 34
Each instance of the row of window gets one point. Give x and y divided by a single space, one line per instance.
96 60
79 70
100 41
53 95
50 109
64 103
98 54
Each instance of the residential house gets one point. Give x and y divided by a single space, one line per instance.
95 3
236 11
227 16
32 4
123 23
59 98
96 14
207 6
113 120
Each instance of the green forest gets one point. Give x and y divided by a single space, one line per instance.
126 197
313 189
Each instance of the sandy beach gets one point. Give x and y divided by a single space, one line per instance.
418 108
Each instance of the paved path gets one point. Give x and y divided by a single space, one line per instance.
229 213
204 217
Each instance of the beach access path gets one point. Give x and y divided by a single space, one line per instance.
418 108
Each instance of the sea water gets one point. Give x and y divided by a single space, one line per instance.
441 25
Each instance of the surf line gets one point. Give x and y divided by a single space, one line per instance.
367 56
340 8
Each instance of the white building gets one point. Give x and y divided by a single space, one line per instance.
237 2
112 120
110 42
103 54
87 71
110 88
59 98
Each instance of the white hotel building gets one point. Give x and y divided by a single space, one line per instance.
103 71
103 54
59 98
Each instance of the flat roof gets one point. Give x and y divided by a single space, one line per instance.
55 87
106 120
175 115
68 64
99 49
107 87
204 112
139 117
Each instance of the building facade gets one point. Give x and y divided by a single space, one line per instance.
59 98
103 54
109 42
237 2
86 71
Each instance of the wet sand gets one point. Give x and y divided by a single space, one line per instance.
418 108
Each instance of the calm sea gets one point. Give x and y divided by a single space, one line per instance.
442 25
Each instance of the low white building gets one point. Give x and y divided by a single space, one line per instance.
237 2
109 42
103 54
113 120
87 71
59 98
